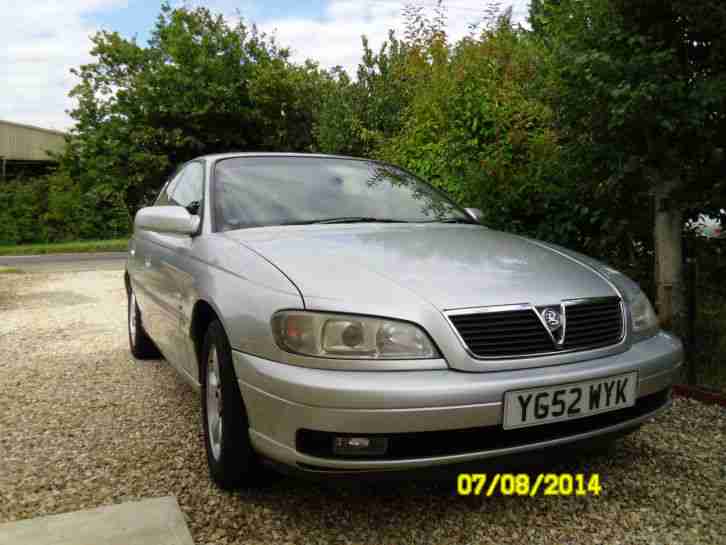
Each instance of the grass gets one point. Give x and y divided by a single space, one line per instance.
9 270
81 246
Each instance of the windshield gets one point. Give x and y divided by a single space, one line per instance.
261 191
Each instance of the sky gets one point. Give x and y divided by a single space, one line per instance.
41 40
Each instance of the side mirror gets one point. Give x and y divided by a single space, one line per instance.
167 219
475 213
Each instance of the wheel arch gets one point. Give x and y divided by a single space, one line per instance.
203 314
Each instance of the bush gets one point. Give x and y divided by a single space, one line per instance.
467 117
55 209
23 203
476 129
708 355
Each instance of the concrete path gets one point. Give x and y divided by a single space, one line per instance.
65 262
157 521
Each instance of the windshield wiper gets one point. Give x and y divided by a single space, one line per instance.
345 219
357 219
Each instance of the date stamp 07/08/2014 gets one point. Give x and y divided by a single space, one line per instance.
522 484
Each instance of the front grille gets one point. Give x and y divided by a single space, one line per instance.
592 323
506 333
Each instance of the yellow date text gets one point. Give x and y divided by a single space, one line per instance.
522 484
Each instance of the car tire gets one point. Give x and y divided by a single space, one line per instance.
231 459
141 345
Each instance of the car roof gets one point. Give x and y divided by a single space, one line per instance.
233 154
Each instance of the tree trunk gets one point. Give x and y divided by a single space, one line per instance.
670 301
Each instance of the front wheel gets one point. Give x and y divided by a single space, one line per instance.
231 459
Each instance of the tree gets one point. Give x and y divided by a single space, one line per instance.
640 96
201 85
466 116
539 12
476 127
358 115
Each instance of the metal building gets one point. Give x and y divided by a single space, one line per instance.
24 148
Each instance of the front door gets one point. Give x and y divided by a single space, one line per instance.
174 269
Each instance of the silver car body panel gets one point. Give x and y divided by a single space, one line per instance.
419 273
412 272
450 266
173 219
282 400
311 464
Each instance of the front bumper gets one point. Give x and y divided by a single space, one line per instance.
281 400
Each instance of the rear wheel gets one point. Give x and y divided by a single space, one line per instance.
142 347
232 461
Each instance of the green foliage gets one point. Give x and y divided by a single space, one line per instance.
356 117
75 247
639 92
559 133
55 208
477 129
22 204
539 13
467 117
200 86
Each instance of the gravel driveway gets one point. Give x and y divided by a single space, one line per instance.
83 424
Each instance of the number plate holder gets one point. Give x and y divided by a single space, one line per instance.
562 402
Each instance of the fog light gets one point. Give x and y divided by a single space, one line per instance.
360 446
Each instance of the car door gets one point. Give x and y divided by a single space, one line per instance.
142 271
172 269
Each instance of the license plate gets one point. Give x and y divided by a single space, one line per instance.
537 406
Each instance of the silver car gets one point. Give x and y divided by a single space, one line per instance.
340 316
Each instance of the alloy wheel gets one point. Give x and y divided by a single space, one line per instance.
214 403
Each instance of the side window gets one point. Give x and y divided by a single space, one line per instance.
190 187
164 197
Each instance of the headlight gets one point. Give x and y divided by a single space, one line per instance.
350 336
645 321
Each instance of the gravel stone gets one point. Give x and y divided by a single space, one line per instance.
83 424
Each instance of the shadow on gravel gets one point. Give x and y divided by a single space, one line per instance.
420 510
428 485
